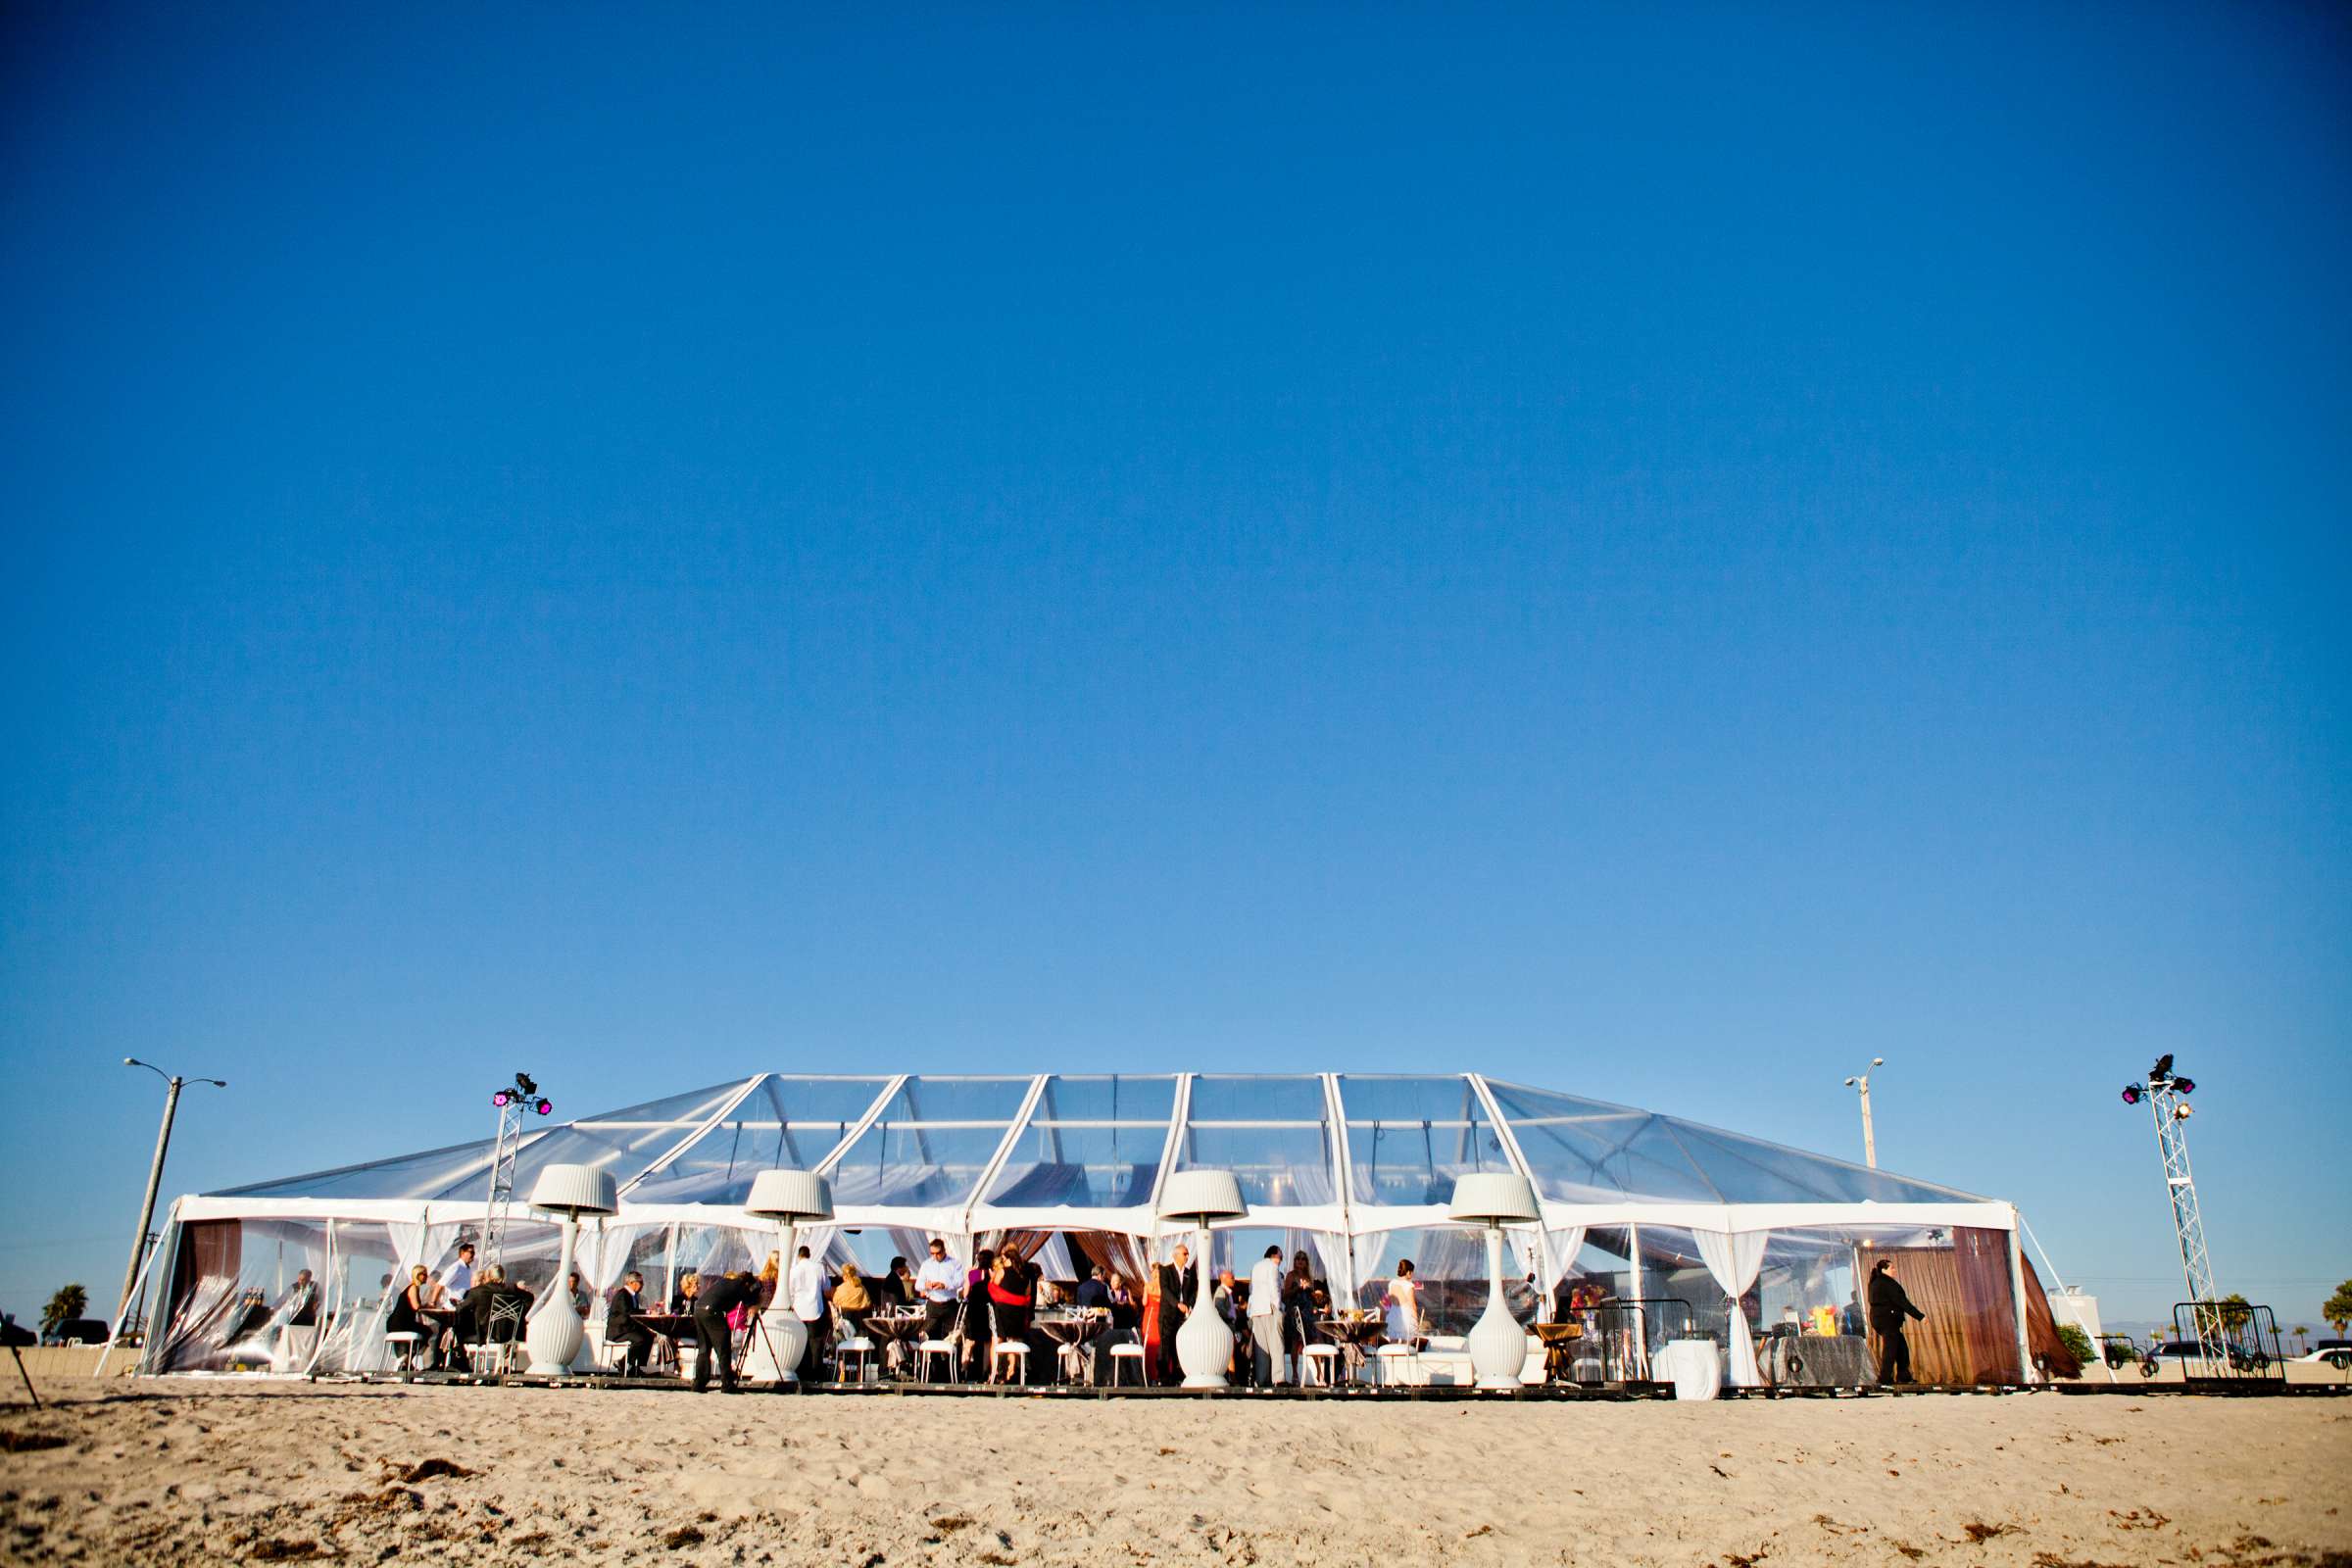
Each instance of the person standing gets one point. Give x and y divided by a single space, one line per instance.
1889 1308
1266 1319
940 1284
1177 1288
714 1299
808 1305
459 1279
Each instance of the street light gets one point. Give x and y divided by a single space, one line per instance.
155 1176
1870 1143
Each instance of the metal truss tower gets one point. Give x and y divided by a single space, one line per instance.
502 1178
2168 1100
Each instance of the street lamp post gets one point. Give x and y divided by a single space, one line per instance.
1861 1082
155 1176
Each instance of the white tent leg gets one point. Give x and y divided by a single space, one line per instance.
2016 1292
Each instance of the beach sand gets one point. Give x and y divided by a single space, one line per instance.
191 1472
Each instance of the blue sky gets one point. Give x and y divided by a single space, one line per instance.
1655 555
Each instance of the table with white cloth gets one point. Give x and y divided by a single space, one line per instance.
1819 1362
892 1331
1070 1326
1693 1366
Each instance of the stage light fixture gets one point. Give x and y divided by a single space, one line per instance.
523 1081
2180 1113
544 1106
501 1099
2185 1086
2132 1094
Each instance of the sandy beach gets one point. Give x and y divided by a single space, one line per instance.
178 1472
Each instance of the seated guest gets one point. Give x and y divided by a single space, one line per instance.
895 1288
404 1318
490 1292
622 1306
577 1290
299 1308
688 1289
771 1273
1094 1291
854 1298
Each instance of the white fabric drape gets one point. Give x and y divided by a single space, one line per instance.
1734 1257
603 1258
1560 1249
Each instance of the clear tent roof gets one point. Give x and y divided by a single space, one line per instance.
1104 1141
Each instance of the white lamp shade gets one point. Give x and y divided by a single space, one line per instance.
794 1195
1203 1195
574 1189
1494 1198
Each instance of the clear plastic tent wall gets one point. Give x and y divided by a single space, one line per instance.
1353 1170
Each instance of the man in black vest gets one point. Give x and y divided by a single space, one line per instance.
1890 1306
713 1302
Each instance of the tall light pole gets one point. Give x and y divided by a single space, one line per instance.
155 1175
1870 1143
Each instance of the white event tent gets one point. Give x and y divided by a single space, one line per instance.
1355 1168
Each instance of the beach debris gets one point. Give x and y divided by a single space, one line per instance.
1482 1530
683 1536
275 1548
30 1442
1980 1532
2137 1520
948 1524
434 1468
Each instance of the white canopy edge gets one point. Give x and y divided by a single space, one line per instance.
1332 1218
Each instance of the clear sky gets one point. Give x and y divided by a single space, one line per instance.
1653 554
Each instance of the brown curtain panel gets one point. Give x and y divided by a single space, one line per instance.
1970 1335
2042 1333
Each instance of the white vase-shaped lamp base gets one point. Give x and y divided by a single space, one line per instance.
1498 1345
554 1335
777 1342
1205 1344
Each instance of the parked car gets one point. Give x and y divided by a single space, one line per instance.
14 1333
2337 1353
77 1331
2241 1359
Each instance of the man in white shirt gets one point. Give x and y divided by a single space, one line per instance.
940 1283
1266 1319
808 1305
460 1277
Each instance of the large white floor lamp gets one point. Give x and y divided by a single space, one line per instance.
1493 1200
567 1192
792 1199
1205 1344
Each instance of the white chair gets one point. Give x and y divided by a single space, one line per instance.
945 1349
1004 1351
402 1345
1125 1355
1398 1364
612 1354
500 1335
847 1345
1319 1366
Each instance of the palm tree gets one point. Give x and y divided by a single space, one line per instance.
68 1303
2302 1338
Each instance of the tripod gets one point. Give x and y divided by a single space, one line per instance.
8 1331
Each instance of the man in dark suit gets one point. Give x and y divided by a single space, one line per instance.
1890 1307
717 1295
622 1306
1177 1288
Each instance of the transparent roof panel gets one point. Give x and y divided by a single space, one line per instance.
789 1122
1109 1098
1273 1166
1096 1140
426 1174
1090 1165
931 1143
1409 1138
1218 1096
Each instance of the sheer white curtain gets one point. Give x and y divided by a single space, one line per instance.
1733 1258
1559 1252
